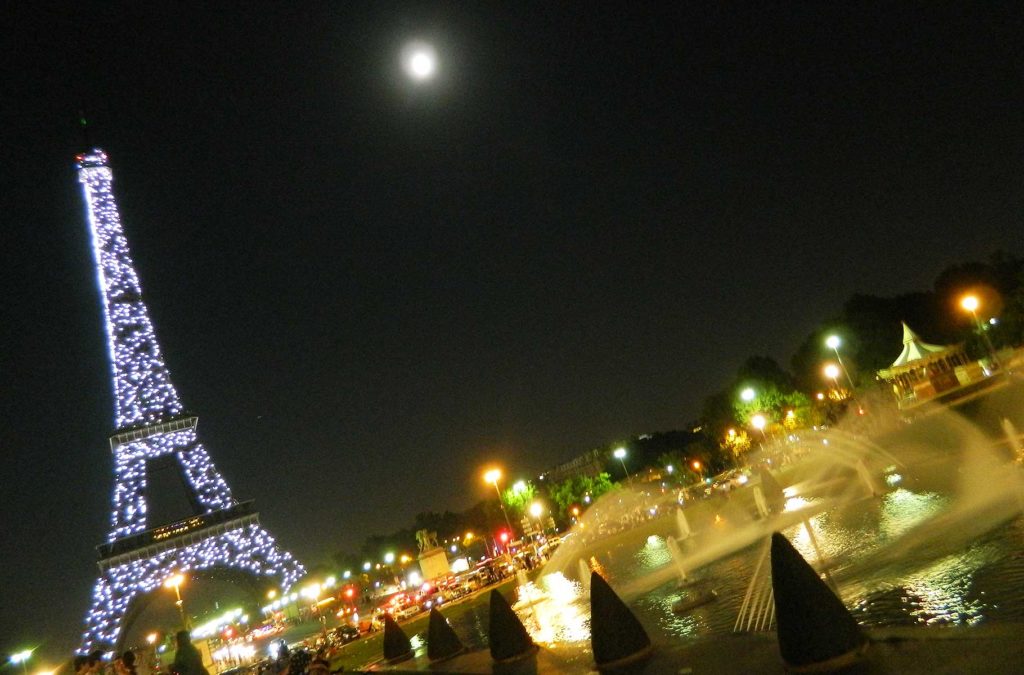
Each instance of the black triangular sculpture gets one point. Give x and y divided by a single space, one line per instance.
397 646
442 642
616 635
816 631
774 498
508 637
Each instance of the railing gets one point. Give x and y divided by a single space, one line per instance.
150 430
169 534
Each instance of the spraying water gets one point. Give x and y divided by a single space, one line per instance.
584 570
950 490
683 524
677 557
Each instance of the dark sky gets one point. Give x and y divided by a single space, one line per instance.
367 289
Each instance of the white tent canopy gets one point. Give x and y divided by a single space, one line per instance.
914 348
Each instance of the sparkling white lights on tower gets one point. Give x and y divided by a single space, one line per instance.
151 423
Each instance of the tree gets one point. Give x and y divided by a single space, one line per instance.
764 371
517 498
579 490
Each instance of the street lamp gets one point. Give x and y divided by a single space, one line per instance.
748 394
971 304
831 371
759 422
22 657
620 454
697 467
175 582
536 509
492 476
833 342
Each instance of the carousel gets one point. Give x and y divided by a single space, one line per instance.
925 372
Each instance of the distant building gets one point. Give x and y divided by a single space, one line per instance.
590 464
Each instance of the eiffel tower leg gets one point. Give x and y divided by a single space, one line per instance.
248 548
129 514
207 484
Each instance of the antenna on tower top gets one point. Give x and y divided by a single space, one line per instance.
83 127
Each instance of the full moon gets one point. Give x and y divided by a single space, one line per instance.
420 61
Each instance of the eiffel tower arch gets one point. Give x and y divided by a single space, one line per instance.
152 425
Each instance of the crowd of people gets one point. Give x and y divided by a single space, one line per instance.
187 661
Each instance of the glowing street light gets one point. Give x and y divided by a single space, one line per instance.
22 657
389 557
831 371
492 476
759 422
620 454
833 342
748 394
367 566
698 467
971 303
536 510
175 582
519 487
152 638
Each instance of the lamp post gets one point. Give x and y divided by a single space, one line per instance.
697 467
175 582
620 454
536 509
831 371
748 395
971 304
833 342
22 657
759 422
492 476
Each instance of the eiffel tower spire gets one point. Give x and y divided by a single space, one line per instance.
151 424
143 392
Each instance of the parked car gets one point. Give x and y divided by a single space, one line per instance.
346 634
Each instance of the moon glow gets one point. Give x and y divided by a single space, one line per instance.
420 61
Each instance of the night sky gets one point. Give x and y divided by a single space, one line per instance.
369 288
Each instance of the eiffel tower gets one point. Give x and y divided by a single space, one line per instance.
153 425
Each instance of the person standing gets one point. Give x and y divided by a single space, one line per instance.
187 659
126 664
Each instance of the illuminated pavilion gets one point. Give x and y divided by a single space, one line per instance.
924 372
